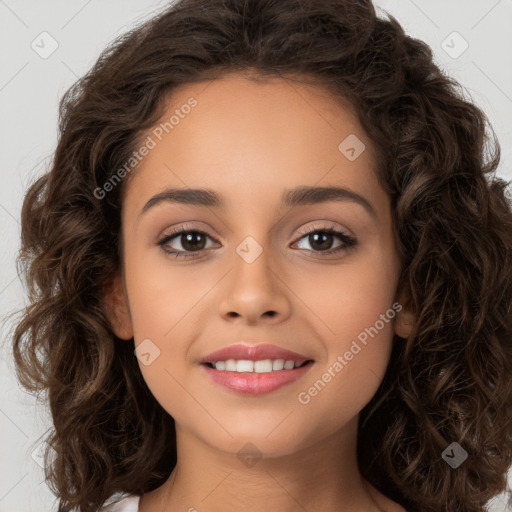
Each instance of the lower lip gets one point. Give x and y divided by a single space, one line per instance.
251 383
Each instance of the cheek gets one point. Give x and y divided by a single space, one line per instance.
357 356
164 304
162 293
349 297
352 309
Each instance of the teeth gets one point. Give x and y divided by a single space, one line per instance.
278 364
263 366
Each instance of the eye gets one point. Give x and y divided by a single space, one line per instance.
191 241
321 240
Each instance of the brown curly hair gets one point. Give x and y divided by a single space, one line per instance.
449 381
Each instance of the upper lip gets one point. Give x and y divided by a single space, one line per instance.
259 352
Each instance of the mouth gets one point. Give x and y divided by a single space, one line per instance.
259 354
261 366
260 377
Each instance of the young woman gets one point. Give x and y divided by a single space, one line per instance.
270 269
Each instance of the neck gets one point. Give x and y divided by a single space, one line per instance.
323 476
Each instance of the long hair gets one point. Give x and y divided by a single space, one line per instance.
448 382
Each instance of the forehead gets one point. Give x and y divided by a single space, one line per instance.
245 137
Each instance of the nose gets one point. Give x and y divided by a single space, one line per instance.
255 292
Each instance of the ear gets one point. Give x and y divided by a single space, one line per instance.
115 308
405 318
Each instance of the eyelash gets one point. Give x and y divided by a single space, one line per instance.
348 241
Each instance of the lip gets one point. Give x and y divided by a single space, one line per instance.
249 383
256 383
254 353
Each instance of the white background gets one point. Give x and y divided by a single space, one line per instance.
30 88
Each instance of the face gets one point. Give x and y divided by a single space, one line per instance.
256 268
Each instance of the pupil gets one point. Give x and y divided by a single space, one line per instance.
191 240
325 237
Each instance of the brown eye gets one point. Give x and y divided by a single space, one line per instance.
322 239
192 241
183 242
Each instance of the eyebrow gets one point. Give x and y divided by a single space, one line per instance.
299 196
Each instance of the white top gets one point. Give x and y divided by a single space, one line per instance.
128 504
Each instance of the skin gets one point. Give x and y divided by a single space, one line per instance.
250 141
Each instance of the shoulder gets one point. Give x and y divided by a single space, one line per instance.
128 504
